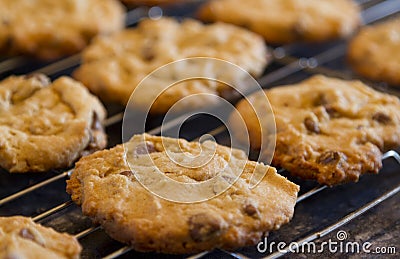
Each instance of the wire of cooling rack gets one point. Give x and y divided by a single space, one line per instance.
291 66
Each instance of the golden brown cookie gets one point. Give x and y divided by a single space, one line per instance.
374 52
328 129
50 29
151 2
286 21
20 237
46 125
110 194
112 67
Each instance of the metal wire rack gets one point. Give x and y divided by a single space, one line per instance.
43 196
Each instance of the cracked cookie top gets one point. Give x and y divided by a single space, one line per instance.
20 237
328 129
374 52
50 29
113 66
109 192
286 21
47 125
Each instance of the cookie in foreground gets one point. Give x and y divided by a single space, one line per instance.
287 21
374 52
328 129
20 237
109 193
112 67
49 29
47 125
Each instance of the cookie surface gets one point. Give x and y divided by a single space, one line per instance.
374 52
50 29
150 2
328 129
286 21
109 193
20 237
112 67
46 125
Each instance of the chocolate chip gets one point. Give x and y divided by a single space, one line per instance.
96 139
382 118
87 34
203 227
26 233
245 25
321 100
148 53
332 111
311 125
298 30
127 173
96 124
145 148
229 93
330 157
250 210
5 22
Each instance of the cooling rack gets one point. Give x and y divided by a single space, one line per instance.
366 211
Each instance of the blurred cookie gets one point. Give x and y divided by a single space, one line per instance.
113 66
47 125
328 129
20 237
374 52
150 2
109 192
286 21
50 29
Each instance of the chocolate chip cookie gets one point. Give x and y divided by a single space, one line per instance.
47 125
109 192
374 52
150 2
112 67
50 29
328 129
286 21
20 237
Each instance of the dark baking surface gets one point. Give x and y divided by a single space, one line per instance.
379 225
